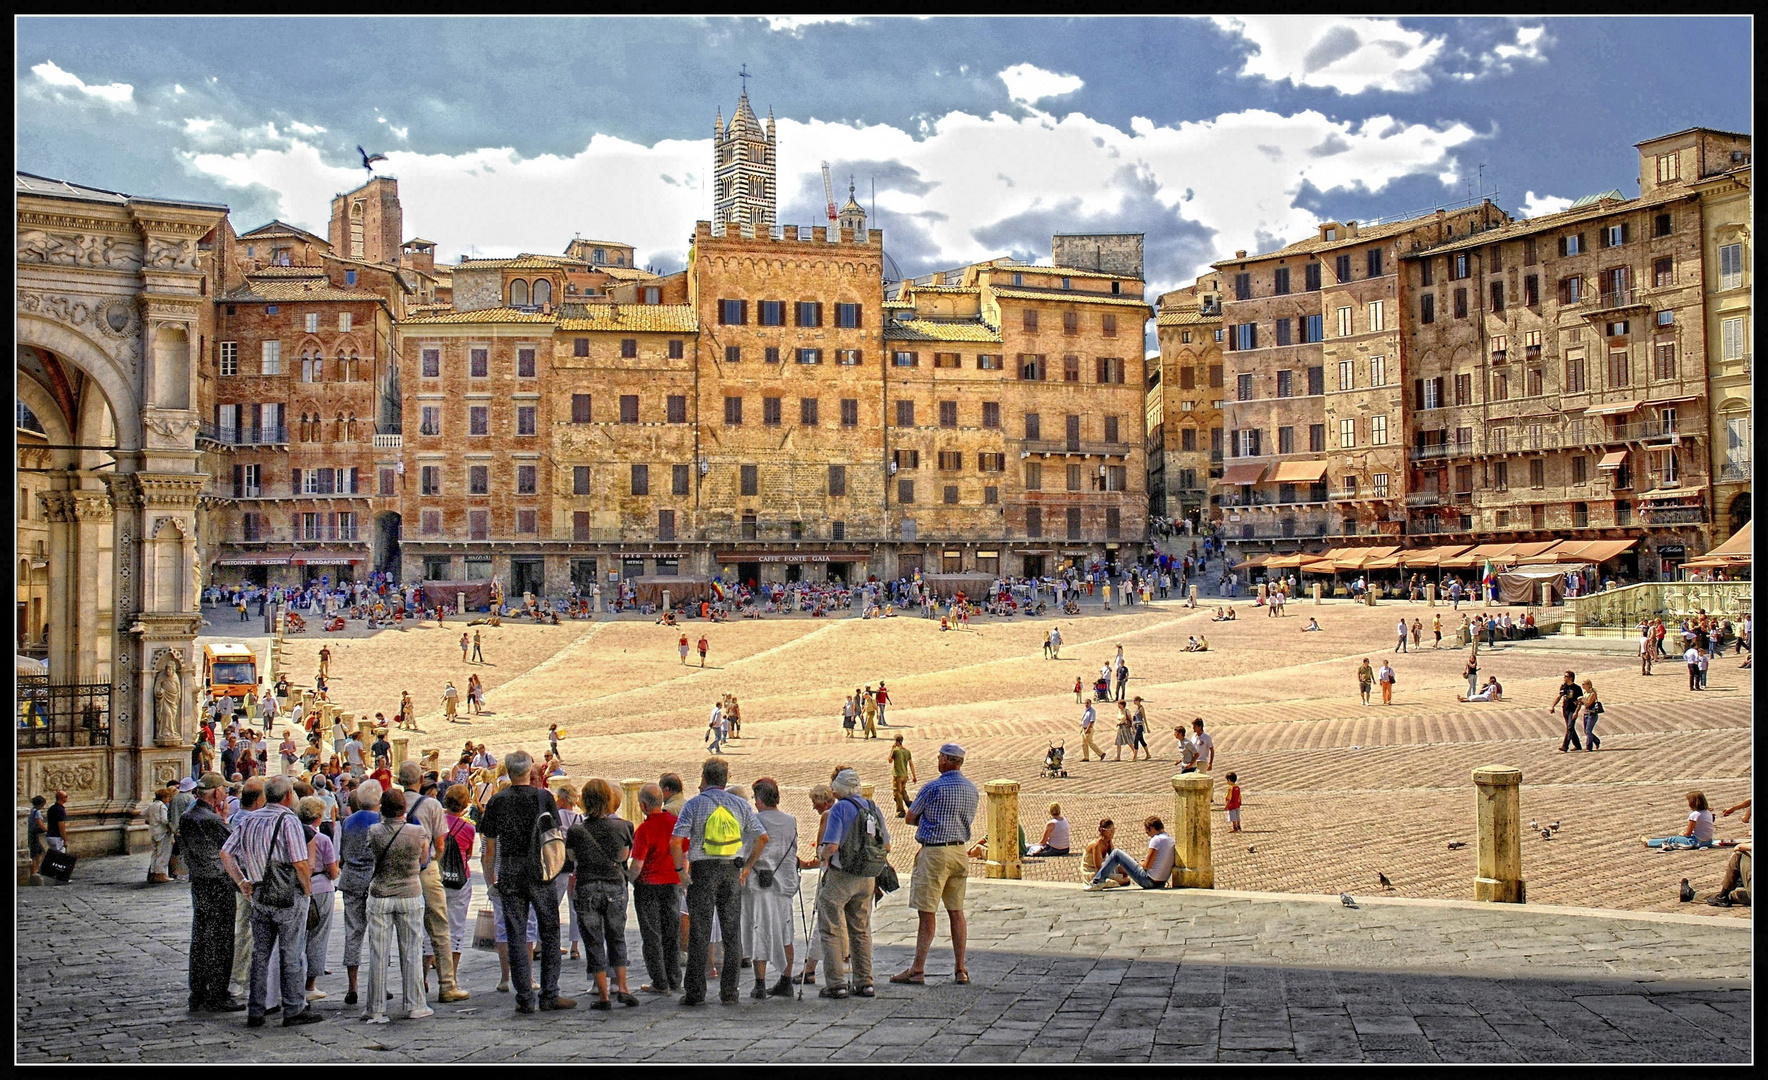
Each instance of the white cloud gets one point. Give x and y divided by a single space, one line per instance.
403 134
796 24
1537 205
1529 41
116 95
1238 174
1350 55
1029 85
177 89
305 129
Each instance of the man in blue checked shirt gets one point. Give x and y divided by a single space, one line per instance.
942 813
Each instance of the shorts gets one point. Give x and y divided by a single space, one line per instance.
940 876
1234 816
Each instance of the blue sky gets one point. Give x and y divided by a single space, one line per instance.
981 136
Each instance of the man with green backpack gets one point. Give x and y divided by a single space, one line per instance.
710 836
854 852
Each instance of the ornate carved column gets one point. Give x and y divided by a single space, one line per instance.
157 668
80 551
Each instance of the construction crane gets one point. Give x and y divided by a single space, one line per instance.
829 190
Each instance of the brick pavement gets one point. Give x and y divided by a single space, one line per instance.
1058 975
1334 792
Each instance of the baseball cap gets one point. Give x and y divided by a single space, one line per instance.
210 781
952 750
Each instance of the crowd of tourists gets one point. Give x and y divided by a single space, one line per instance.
716 875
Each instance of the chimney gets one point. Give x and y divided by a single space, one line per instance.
1241 254
1350 230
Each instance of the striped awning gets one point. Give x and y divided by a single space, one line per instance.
1242 474
1613 460
1297 472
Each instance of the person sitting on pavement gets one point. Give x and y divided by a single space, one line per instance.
1056 835
1698 833
1313 624
1155 867
1492 691
1099 850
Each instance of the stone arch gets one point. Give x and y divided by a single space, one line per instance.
114 380
542 291
519 293
48 412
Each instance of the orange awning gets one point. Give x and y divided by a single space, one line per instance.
1297 472
1242 474
1359 559
1530 552
1613 408
1597 551
1613 460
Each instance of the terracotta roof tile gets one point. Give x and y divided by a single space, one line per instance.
656 318
481 315
1073 296
932 330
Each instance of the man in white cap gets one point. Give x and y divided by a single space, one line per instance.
181 804
853 853
942 813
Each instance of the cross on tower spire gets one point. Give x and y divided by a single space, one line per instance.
743 74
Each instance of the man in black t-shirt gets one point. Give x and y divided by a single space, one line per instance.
57 820
1570 694
511 867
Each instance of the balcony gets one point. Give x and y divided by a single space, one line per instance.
267 435
225 489
1596 304
389 442
1424 498
1441 450
1074 446
1734 470
1655 431
1675 515
285 534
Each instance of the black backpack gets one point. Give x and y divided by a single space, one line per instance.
862 849
454 864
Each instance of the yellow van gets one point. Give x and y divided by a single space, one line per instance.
230 669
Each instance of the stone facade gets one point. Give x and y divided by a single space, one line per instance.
1723 184
368 224
1185 437
1315 402
1108 253
113 320
1567 396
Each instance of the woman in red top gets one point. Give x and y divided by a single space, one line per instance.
655 895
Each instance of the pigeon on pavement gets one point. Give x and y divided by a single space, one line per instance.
1382 878
1345 899
1533 824
1687 893
1250 849
1457 845
1546 834
1554 826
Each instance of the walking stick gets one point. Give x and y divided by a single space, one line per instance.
806 922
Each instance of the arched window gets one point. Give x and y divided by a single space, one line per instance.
518 293
354 374
343 366
542 292
343 432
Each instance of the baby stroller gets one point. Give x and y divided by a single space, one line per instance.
1053 762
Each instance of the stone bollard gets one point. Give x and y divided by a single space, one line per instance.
401 750
629 808
1193 865
1264 593
1193 596
1003 829
1546 594
1317 591
460 602
1430 593
1498 876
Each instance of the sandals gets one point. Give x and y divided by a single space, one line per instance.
834 992
911 978
962 978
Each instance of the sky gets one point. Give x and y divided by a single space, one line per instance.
967 138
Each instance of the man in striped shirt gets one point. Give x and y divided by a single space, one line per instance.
274 835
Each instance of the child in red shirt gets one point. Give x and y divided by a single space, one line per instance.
1233 803
1077 690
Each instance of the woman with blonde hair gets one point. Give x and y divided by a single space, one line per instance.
1698 833
1056 835
566 796
1591 707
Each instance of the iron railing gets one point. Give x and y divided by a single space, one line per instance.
62 715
